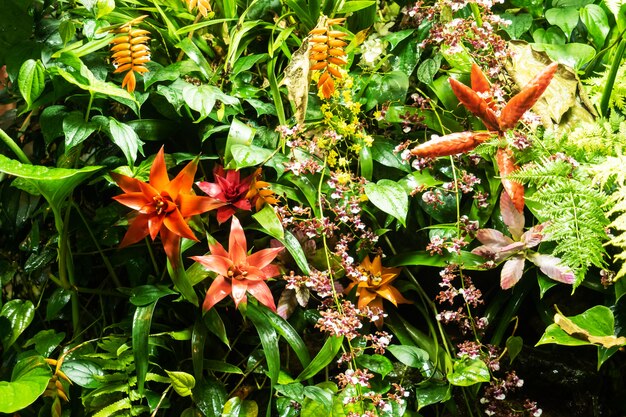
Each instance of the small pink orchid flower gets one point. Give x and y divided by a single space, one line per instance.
498 247
238 272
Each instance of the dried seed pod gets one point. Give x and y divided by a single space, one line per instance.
451 144
326 54
130 52
506 166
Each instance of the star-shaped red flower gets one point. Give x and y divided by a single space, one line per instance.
230 189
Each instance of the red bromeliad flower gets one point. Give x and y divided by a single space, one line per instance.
485 109
163 205
229 188
238 272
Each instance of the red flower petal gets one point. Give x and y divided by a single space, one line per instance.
183 181
190 205
134 200
128 184
526 98
175 222
451 144
263 257
137 230
475 104
171 244
506 166
224 213
479 82
212 190
237 245
158 172
215 263
220 288
262 293
155 223
218 249
239 288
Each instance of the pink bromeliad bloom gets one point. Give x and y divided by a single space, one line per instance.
238 272
230 189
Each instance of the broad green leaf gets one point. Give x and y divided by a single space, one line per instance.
423 258
552 35
295 249
375 363
394 38
18 314
409 355
435 121
76 129
545 284
140 335
232 408
83 373
28 381
46 341
270 222
418 179
51 120
383 153
467 372
390 197
577 4
55 184
215 324
565 18
294 391
31 80
67 30
147 294
390 87
246 62
239 134
520 24
574 55
366 163
59 299
319 396
224 367
248 156
269 341
460 59
182 382
209 396
514 346
203 98
597 23
196 55
126 139
428 69
324 356
353 6
428 393
104 7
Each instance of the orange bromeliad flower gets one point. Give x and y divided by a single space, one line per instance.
375 284
163 206
238 272
484 108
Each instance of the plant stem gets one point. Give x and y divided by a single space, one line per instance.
476 14
610 82
89 107
66 262
14 147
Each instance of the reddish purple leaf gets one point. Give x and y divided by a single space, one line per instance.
512 271
513 218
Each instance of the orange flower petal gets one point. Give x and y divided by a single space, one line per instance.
392 294
128 184
238 290
171 244
137 230
158 172
183 181
475 104
215 263
237 245
365 297
190 205
220 288
262 293
263 257
175 222
134 200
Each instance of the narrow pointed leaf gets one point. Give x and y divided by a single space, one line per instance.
140 335
325 355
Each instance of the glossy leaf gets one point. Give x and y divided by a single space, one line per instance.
320 397
270 222
238 134
514 346
209 396
409 355
223 367
378 364
564 17
182 382
76 129
83 373
46 341
29 379
324 356
248 156
17 314
59 299
269 341
389 196
428 393
597 23
520 24
203 98
295 249
194 53
31 80
467 372
424 258
126 139
143 295
140 336
574 55
215 324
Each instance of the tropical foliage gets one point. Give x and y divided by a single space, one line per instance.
306 208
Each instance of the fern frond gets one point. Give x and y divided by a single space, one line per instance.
617 204
543 172
111 409
578 223
610 171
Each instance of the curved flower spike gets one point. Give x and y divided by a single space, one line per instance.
238 272
163 206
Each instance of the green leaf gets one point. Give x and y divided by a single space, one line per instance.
182 382
223 367
382 152
423 258
320 396
76 129
209 396
394 38
428 393
239 134
390 197
269 341
545 284
182 282
428 69
391 87
67 30
270 222
375 363
140 336
59 299
126 139
468 372
574 55
232 407
196 55
248 156
597 321
55 184
83 373
215 324
324 356
114 408
552 35
514 346
148 294
295 249
294 391
565 18
19 314
459 59
31 81
418 179
520 24
46 341
28 381
353 6
203 98
366 163
51 121
597 23
246 62
410 355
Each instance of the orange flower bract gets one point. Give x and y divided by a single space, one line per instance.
162 206
377 286
130 52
